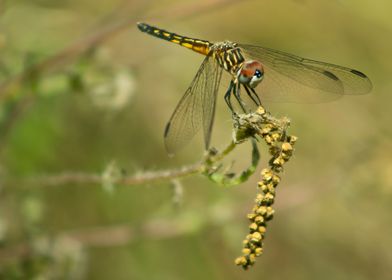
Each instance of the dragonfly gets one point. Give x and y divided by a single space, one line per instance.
278 77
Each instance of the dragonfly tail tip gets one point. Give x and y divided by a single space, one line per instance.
142 26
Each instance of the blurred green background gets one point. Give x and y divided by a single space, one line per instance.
95 90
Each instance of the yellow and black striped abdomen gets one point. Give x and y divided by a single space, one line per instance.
200 46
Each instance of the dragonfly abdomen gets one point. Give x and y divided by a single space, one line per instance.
199 46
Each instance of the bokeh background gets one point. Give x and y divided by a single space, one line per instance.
82 90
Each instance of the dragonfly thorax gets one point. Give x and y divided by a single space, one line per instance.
228 55
250 73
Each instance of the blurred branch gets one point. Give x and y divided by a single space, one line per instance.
108 236
117 235
67 55
137 179
112 175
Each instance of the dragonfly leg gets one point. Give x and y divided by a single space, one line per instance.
253 95
236 92
228 96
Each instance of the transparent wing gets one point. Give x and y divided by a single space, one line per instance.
196 108
290 78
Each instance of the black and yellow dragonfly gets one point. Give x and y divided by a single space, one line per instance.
278 76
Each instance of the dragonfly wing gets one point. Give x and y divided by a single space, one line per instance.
354 81
290 78
196 108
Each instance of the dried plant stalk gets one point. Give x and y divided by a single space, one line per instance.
274 133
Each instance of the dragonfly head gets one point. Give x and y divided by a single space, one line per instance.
251 73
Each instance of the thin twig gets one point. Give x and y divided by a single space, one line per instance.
150 177
80 178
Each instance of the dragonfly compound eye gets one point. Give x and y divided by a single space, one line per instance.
257 78
258 73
